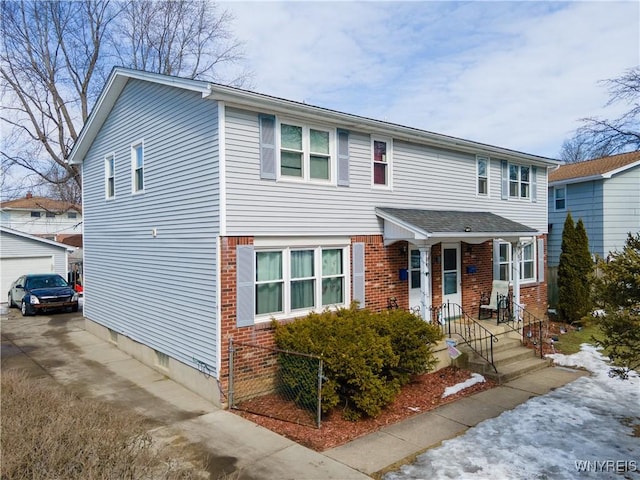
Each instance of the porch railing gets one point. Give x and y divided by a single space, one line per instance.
532 329
453 320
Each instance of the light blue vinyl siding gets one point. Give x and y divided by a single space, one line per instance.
584 201
160 291
621 208
423 177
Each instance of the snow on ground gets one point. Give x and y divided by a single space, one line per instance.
584 429
475 378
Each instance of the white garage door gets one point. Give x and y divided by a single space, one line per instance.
12 268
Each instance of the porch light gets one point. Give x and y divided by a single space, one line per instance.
467 229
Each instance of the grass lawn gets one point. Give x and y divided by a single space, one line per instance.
570 342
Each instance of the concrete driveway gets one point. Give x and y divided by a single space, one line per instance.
56 348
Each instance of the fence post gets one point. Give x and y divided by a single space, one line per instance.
319 409
231 355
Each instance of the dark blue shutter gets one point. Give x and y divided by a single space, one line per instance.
534 184
358 273
267 147
343 158
505 179
245 286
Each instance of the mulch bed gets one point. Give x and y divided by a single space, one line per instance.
424 393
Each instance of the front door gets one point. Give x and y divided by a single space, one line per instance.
451 278
415 278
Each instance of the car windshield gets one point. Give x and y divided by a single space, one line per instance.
46 281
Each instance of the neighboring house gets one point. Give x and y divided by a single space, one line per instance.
210 211
605 194
21 253
41 216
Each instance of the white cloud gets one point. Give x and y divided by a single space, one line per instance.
514 74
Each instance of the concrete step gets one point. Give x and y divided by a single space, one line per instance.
514 370
505 357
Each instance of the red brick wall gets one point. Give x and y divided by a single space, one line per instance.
382 280
382 272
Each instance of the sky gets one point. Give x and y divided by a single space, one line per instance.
586 429
518 75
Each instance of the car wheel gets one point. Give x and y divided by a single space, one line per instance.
26 309
74 308
10 301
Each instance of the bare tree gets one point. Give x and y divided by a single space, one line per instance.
599 137
56 56
178 37
49 58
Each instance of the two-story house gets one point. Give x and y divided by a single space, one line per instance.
41 216
605 194
210 210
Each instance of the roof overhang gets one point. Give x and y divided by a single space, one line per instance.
270 104
590 178
429 227
17 233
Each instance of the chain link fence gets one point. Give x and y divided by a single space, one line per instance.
275 383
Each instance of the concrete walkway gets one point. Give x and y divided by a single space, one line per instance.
57 348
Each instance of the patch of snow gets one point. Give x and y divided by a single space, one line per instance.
586 429
475 378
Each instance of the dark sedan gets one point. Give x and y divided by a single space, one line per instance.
42 292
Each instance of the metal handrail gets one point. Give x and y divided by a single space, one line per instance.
526 324
453 320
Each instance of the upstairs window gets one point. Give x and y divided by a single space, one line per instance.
482 172
50 215
519 181
109 174
305 152
72 215
35 214
560 198
381 156
137 159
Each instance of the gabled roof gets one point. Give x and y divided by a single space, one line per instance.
17 233
266 103
443 225
596 169
39 203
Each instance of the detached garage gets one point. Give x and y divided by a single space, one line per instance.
21 253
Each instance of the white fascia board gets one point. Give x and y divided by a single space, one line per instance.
37 239
621 169
590 178
268 104
110 93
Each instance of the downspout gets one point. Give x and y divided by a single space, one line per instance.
425 284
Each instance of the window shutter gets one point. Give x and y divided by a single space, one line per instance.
541 265
267 147
534 184
343 158
358 273
245 294
505 179
496 260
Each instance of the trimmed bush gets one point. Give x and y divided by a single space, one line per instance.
367 357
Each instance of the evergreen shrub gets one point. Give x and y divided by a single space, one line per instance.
367 356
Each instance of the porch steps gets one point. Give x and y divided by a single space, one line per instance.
511 359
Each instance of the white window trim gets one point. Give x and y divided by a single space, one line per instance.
555 204
534 260
107 159
134 146
287 313
520 182
389 162
488 160
306 152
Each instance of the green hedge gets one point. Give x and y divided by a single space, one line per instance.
367 356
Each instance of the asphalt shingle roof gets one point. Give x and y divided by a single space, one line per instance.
590 168
451 221
40 203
